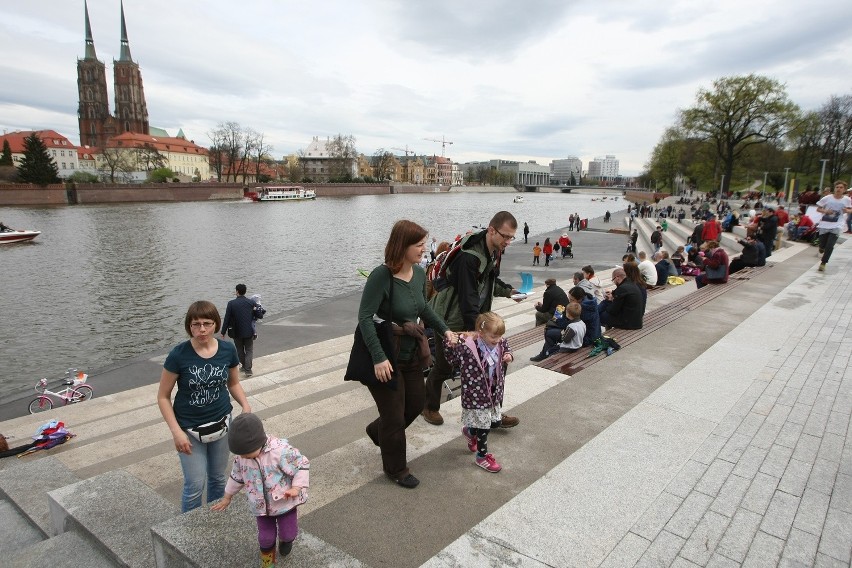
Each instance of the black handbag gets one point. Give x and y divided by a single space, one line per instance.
361 367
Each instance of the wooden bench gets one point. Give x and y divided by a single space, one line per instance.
572 363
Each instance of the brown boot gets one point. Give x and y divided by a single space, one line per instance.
508 421
432 417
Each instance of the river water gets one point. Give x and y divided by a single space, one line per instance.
103 283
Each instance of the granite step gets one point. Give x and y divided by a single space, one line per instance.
68 550
16 530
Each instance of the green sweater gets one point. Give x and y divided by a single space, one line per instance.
409 303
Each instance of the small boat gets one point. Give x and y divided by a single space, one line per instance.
518 199
13 236
282 193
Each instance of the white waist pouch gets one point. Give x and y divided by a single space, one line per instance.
211 431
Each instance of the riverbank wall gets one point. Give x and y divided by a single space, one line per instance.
90 193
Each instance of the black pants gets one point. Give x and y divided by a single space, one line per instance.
441 371
397 410
826 245
245 351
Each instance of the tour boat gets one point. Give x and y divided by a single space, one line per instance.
14 236
518 199
283 193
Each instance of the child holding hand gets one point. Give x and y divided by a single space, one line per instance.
275 475
482 357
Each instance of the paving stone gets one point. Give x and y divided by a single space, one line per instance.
780 514
816 424
713 479
822 476
831 448
662 551
789 434
775 387
812 510
846 457
687 477
680 562
843 402
719 561
787 397
728 425
628 551
759 493
765 551
836 539
800 549
739 534
799 413
830 388
808 395
824 561
807 448
750 461
686 518
778 413
776 460
730 495
709 449
658 514
823 404
735 447
702 542
841 497
838 422
795 477
751 424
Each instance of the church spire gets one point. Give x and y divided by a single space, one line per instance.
90 42
125 45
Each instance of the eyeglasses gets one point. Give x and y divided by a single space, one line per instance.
202 324
505 237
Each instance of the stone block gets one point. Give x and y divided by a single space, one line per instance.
779 515
836 539
27 483
16 531
730 496
750 461
700 545
800 549
806 449
687 477
776 460
841 497
688 515
713 479
68 550
815 424
90 506
765 550
759 493
831 448
662 551
658 514
795 477
813 507
789 434
709 449
628 551
737 539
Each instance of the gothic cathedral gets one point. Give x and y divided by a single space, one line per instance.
97 125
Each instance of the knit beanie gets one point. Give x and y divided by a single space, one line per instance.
246 434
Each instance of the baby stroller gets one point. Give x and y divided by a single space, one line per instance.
568 251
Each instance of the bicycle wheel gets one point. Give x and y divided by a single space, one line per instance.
81 393
40 404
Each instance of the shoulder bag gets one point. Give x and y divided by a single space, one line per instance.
361 367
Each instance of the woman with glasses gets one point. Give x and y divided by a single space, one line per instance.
205 371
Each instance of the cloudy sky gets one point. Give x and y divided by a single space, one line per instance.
524 80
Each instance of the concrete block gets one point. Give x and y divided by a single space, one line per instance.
68 550
800 549
735 447
685 480
713 479
779 515
688 515
807 448
739 534
815 424
789 434
776 460
759 493
627 552
16 531
838 421
841 497
813 507
709 449
90 507
658 514
765 550
831 448
795 478
767 434
836 539
749 462
662 551
26 484
730 496
700 545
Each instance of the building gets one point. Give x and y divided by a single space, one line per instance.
522 173
63 152
319 165
603 168
566 171
139 154
96 123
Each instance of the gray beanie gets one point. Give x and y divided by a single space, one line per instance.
246 434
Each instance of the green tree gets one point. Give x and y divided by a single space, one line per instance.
737 113
83 177
6 158
836 119
160 175
37 166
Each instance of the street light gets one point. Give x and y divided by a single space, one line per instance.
787 191
721 186
822 175
763 187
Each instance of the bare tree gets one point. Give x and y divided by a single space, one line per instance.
342 151
383 163
149 158
262 156
115 163
836 119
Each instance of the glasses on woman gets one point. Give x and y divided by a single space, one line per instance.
202 324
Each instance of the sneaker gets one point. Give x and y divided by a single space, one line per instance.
248 373
488 463
508 421
471 439
539 357
409 481
284 547
821 267
432 417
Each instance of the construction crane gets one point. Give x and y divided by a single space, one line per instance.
443 142
406 150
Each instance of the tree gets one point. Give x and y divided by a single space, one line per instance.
149 158
293 167
37 166
342 151
114 163
383 164
6 158
160 175
836 119
83 177
739 112
666 162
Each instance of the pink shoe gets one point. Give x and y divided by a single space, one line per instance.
471 439
489 464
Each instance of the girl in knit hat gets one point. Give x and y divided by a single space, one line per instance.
275 475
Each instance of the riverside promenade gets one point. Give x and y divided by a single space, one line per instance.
722 439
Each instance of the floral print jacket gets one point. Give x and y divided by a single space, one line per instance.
266 477
478 392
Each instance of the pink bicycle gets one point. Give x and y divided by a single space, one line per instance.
76 390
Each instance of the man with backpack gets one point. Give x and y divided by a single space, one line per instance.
471 281
238 324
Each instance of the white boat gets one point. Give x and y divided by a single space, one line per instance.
283 193
13 236
518 199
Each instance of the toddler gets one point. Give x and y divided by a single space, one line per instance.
257 313
482 357
536 253
275 475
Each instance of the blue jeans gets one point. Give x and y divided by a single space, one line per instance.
206 465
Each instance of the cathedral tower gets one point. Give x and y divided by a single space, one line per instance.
131 112
93 109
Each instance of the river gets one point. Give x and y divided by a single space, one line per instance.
103 283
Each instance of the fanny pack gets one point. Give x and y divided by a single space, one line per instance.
211 431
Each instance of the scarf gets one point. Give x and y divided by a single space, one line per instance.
488 355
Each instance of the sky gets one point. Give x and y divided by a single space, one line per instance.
533 80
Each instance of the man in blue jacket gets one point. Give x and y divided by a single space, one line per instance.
238 317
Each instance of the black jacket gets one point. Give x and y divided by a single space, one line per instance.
238 315
552 297
626 311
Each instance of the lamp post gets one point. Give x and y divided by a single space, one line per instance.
721 186
822 175
763 187
786 190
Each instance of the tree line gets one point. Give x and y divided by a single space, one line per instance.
746 128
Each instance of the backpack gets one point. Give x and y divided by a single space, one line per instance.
436 272
258 311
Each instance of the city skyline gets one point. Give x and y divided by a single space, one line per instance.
538 81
